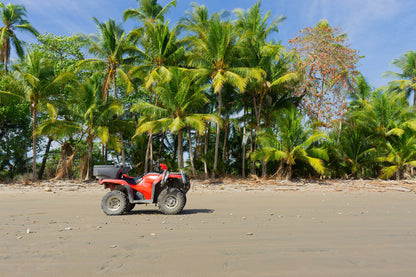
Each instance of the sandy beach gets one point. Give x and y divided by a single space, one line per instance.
224 230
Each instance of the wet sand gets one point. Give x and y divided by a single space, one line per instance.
219 233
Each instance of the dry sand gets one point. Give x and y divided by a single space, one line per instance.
224 230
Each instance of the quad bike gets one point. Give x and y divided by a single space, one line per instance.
167 190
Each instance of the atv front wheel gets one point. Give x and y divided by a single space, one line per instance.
114 203
171 201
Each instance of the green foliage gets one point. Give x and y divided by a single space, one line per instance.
153 92
291 144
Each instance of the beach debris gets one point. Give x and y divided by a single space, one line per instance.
249 234
19 237
113 246
48 189
28 231
153 234
68 228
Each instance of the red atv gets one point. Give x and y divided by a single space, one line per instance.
167 190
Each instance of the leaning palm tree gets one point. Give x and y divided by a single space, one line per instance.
13 19
407 77
180 98
215 55
148 11
291 144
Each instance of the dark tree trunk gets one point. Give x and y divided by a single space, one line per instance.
45 158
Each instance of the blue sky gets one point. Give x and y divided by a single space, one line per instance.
382 30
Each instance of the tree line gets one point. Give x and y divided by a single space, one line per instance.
212 94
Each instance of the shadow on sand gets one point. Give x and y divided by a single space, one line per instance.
184 212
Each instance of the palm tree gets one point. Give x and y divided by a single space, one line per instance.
13 19
40 82
407 76
401 153
110 47
180 99
355 149
159 49
384 114
214 53
86 116
269 56
148 11
292 143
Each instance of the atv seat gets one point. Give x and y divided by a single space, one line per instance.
132 180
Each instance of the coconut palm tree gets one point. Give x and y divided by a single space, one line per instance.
180 98
407 77
384 114
159 49
86 116
148 11
110 47
13 18
215 55
292 143
39 81
400 154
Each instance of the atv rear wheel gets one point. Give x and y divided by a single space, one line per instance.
114 203
171 201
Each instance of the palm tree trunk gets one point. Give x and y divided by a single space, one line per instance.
289 172
180 149
217 139
224 147
89 161
123 155
191 156
243 169
34 141
45 158
146 159
196 148
206 142
253 165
